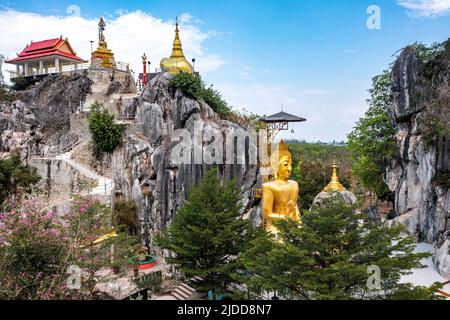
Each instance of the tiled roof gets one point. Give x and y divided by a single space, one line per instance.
46 48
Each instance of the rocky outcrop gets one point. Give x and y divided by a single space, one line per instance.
146 169
39 122
346 197
421 205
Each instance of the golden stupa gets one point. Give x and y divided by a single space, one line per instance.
102 57
177 62
334 185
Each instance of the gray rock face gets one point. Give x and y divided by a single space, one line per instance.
39 122
405 86
147 169
346 196
420 205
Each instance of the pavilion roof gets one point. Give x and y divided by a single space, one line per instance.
282 117
46 48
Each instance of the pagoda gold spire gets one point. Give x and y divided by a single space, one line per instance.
177 62
334 185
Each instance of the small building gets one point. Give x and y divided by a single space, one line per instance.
46 57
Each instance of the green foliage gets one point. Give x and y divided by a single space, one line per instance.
434 70
442 178
6 95
106 135
372 140
193 86
190 84
14 177
87 221
312 168
125 215
328 258
20 83
208 233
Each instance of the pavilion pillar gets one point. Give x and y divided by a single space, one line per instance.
17 70
41 66
76 66
57 66
26 70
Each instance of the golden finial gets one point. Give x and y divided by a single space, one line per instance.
334 185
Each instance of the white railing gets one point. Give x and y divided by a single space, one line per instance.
121 66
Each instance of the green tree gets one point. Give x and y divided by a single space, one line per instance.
106 135
86 222
372 140
14 177
328 258
208 234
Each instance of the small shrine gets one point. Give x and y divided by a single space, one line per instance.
334 189
102 57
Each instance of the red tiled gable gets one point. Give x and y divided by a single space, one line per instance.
46 48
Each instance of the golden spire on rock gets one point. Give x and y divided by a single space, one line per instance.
177 61
334 185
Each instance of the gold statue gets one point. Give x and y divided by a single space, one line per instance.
334 185
177 62
102 57
280 195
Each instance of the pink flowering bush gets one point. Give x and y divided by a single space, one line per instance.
32 250
37 246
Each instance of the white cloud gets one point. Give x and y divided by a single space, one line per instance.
426 8
129 35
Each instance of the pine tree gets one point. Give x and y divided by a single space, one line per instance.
208 234
331 255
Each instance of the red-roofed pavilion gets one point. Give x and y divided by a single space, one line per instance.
46 57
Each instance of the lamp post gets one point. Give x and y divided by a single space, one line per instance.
92 42
149 69
193 63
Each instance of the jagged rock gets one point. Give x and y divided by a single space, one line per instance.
346 196
441 258
145 169
406 89
420 205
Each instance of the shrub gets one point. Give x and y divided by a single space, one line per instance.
20 83
190 84
193 86
6 95
106 135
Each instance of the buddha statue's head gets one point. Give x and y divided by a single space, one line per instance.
281 162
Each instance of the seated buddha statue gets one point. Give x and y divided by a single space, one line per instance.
280 196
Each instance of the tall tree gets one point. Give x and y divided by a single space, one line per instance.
328 258
208 234
372 140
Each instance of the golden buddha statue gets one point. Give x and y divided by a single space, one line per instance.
102 57
334 185
280 196
177 62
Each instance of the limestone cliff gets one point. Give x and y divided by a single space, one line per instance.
143 169
421 204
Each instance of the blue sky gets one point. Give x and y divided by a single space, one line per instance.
316 58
